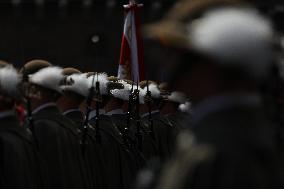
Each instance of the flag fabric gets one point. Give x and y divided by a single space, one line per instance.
131 63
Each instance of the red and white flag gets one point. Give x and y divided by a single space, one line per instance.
131 63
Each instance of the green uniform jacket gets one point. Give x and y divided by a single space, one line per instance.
59 148
19 164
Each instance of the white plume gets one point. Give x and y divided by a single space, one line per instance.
122 94
153 88
185 108
177 97
79 84
155 92
9 80
142 94
49 77
103 80
234 35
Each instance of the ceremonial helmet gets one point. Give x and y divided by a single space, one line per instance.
231 33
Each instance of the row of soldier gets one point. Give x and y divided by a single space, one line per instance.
93 131
81 130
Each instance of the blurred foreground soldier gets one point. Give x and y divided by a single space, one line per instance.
225 55
56 135
18 161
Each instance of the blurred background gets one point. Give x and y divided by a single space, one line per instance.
63 31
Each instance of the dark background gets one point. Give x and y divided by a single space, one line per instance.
61 31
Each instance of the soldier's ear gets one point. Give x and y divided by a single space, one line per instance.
31 91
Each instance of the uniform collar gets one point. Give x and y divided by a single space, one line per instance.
152 112
116 111
41 107
94 112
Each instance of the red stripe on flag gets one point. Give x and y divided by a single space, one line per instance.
131 62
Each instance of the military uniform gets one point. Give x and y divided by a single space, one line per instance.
59 148
164 134
19 163
57 136
242 145
149 147
120 121
177 120
77 117
75 88
233 143
118 159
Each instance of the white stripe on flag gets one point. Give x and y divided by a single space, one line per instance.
127 26
134 51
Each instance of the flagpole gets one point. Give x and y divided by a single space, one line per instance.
132 3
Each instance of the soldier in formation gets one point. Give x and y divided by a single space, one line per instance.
81 130
90 130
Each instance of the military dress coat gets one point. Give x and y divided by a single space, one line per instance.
118 159
59 148
241 147
88 151
164 134
19 163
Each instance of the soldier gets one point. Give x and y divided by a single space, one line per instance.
57 138
75 88
18 160
174 107
115 155
131 157
127 123
120 117
102 77
226 54
155 122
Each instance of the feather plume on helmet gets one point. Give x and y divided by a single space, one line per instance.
77 83
122 94
49 77
185 107
102 78
9 81
153 88
229 32
177 97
